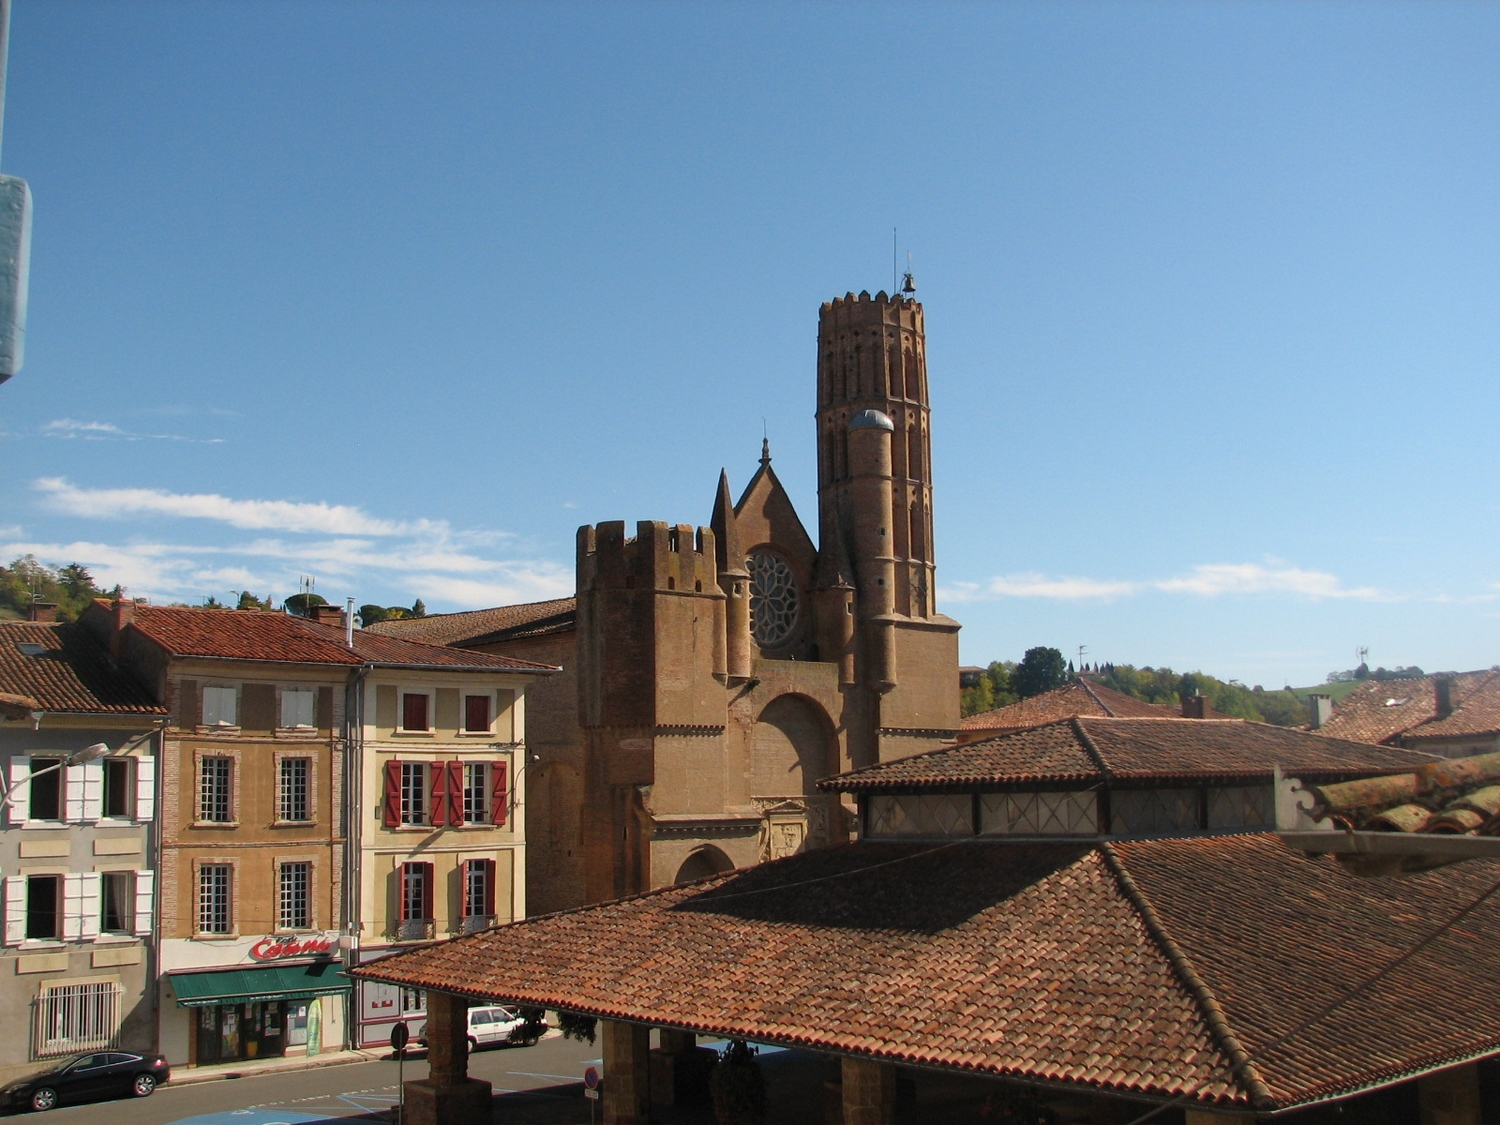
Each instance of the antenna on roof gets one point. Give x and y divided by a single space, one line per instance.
895 267
1362 654
1082 649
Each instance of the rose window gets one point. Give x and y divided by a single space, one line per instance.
773 597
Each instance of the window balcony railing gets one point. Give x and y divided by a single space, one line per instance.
476 922
416 929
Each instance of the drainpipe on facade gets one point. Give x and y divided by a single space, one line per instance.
153 855
354 752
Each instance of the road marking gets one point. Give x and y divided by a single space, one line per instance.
535 1074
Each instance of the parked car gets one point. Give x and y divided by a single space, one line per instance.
498 1024
82 1078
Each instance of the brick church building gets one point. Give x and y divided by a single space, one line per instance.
713 675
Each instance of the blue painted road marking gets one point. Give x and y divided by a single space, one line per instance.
252 1117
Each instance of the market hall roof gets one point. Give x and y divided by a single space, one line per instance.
61 668
1154 968
479 625
1076 698
1085 750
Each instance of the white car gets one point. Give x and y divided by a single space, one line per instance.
497 1024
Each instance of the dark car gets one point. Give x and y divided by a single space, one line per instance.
82 1078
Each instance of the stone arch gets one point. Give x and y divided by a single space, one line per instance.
792 748
705 861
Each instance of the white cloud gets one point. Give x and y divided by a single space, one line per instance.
108 431
281 515
537 584
1210 580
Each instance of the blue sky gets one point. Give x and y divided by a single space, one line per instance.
397 295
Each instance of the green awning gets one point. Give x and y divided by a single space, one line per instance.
268 982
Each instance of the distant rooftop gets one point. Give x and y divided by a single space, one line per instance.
473 626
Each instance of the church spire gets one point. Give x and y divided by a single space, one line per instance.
765 452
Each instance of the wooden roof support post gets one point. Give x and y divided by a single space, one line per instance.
627 1073
1450 1097
869 1092
448 1096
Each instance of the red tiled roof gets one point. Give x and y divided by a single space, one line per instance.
1076 698
476 625
72 672
283 638
1382 710
1092 749
1145 968
1451 796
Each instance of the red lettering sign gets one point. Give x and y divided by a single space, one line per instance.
275 948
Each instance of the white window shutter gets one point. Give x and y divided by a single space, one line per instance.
73 793
145 886
89 906
93 790
72 907
145 788
20 791
15 909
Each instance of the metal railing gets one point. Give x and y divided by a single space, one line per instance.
75 1017
476 922
416 929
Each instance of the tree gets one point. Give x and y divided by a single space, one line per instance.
1041 669
302 605
418 608
250 601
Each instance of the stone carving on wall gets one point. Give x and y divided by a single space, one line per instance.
791 824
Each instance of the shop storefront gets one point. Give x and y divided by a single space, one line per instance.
278 996
380 1006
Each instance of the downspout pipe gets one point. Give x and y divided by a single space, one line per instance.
353 827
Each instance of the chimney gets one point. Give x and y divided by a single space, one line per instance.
44 611
1319 710
123 614
328 615
349 622
1443 691
1195 707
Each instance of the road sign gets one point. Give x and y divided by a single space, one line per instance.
591 1081
400 1036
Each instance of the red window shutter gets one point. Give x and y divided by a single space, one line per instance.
392 794
499 796
438 772
427 889
489 887
476 712
455 792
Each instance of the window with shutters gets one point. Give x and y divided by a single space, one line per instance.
43 907
479 894
476 793
294 784
220 706
413 792
415 711
299 708
477 714
215 884
215 789
45 798
117 902
416 921
119 788
296 896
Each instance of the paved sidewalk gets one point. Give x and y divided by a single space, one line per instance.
187 1076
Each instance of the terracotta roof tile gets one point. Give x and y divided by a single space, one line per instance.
1383 710
474 626
376 648
1090 749
71 672
1105 967
1076 698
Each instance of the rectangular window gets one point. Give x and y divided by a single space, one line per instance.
298 707
214 885
43 907
477 713
117 903
476 793
414 792
414 711
45 801
75 1017
479 889
292 800
118 787
215 782
296 896
219 708
416 892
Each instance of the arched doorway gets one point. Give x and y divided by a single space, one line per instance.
792 748
705 861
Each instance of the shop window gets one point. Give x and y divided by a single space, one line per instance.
219 706
476 793
294 783
415 711
215 789
117 902
477 714
296 896
298 708
215 883
119 790
45 799
43 907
